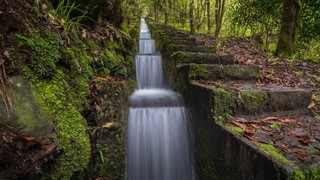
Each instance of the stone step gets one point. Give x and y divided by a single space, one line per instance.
202 49
176 34
183 42
226 72
201 58
173 37
231 98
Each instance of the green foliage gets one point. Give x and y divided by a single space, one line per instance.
310 50
63 15
45 53
255 17
309 21
73 141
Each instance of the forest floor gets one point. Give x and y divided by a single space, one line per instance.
296 136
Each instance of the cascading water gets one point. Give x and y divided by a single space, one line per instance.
158 145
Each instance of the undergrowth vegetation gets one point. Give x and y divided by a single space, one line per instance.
60 62
252 18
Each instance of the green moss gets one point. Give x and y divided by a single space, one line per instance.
198 71
253 101
223 105
234 128
24 111
92 45
72 139
77 74
45 53
180 57
275 153
242 72
306 174
115 61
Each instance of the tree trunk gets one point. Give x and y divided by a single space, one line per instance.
219 12
288 29
191 16
155 10
208 16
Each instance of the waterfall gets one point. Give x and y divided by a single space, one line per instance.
158 144
149 70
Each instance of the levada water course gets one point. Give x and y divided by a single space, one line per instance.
158 144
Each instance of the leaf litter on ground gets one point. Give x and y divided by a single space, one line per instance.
297 139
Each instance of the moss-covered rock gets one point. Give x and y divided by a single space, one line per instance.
241 72
198 71
223 105
25 116
71 137
253 101
201 58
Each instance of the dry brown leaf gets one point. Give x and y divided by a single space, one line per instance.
29 138
242 126
289 121
108 124
311 105
302 155
270 119
96 52
97 107
84 33
252 138
304 139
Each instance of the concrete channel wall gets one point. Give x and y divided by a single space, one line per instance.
219 152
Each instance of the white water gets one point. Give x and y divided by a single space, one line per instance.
149 71
158 146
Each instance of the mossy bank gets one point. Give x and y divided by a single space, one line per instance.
59 67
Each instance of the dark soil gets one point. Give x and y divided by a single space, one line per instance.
23 157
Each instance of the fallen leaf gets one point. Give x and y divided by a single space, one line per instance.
29 138
84 33
96 86
289 121
311 105
302 155
108 124
97 107
252 138
274 126
270 119
6 53
96 52
305 139
242 126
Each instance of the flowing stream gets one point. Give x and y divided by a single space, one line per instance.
158 145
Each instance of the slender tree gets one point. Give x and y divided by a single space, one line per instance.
208 15
289 24
219 12
191 16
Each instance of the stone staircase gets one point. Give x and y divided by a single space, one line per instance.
218 90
